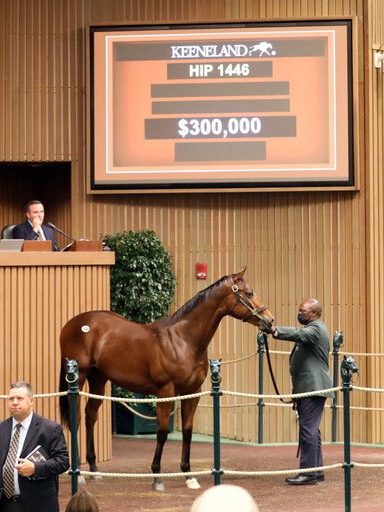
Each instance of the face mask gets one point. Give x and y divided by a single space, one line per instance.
302 319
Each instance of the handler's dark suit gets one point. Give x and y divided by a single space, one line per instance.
26 232
40 492
308 365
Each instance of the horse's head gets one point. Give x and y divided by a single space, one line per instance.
245 305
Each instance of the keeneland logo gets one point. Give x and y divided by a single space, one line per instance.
193 51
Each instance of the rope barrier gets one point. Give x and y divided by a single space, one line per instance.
145 475
296 395
348 368
244 358
285 352
366 465
228 472
272 404
281 472
40 395
360 354
374 390
143 400
143 416
124 401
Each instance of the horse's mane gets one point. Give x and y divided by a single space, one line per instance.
190 305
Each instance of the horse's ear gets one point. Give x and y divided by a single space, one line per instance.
239 275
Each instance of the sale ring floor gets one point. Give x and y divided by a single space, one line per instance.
134 455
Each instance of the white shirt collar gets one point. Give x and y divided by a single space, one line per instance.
25 423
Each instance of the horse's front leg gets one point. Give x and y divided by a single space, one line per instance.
163 411
188 409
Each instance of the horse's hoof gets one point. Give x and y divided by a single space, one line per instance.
158 486
192 483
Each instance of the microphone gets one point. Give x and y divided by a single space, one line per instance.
49 224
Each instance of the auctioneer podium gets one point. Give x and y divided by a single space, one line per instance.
39 293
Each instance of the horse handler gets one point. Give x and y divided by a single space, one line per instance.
308 366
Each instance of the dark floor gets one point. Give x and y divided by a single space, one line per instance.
133 455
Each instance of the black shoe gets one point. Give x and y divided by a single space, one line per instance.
320 476
303 479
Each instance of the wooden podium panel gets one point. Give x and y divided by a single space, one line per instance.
85 245
39 293
37 246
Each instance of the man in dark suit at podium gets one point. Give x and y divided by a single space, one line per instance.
33 228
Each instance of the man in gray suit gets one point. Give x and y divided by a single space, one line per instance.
308 365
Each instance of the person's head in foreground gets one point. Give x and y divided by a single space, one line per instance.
224 498
82 501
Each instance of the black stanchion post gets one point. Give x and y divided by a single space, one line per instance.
215 365
348 366
337 342
262 339
72 378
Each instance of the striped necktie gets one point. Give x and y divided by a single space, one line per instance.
9 466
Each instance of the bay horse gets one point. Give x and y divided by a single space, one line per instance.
165 358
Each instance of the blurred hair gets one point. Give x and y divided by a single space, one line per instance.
82 501
224 498
34 201
22 384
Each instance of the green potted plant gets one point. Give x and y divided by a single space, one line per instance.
142 289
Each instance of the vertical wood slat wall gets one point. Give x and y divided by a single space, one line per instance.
375 215
322 244
35 302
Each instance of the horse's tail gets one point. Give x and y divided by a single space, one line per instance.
63 400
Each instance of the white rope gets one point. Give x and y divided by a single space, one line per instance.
144 400
123 401
140 415
282 472
374 390
249 404
378 409
40 395
360 354
283 352
211 471
297 395
144 475
244 358
364 465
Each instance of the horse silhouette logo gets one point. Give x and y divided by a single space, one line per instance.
263 49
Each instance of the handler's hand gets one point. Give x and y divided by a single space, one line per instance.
268 330
36 223
25 467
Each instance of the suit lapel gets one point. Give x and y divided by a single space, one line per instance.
28 225
46 234
6 431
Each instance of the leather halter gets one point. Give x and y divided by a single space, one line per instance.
253 311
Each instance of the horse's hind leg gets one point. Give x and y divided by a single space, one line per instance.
188 409
163 410
96 383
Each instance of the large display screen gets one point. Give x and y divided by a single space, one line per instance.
221 107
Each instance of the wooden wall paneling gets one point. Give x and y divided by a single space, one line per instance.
31 322
375 238
308 240
3 83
